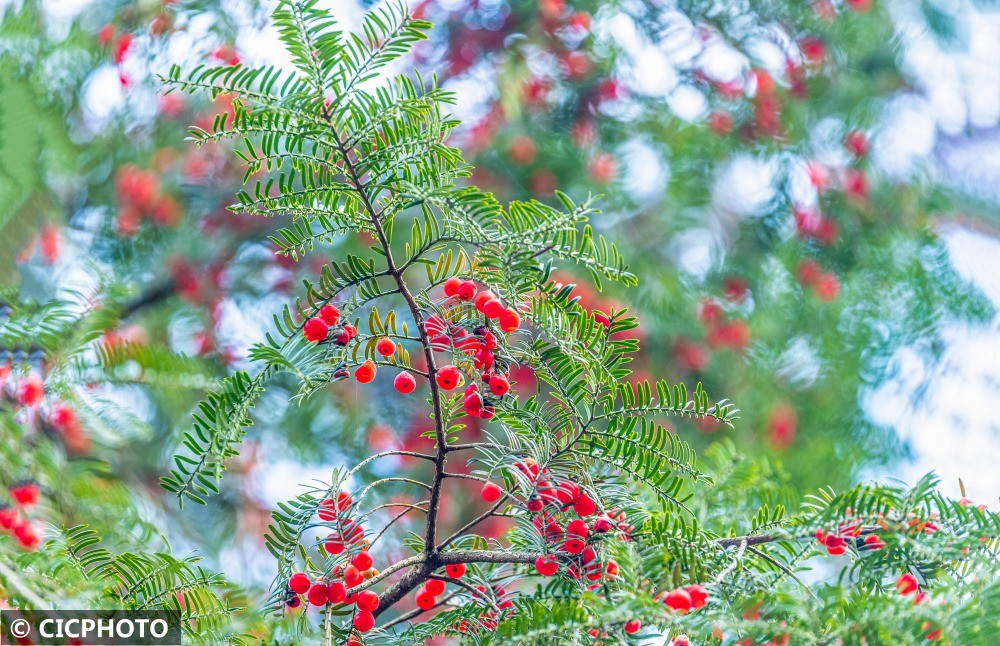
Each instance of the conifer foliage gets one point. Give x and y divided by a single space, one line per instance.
618 531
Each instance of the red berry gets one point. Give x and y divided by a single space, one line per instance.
404 383
367 601
425 600
122 45
351 330
482 298
385 347
499 386
467 290
578 527
294 601
299 583
364 621
567 493
574 545
25 495
698 594
315 330
632 627
535 504
362 560
611 569
678 600
334 544
337 592
352 576
487 412
434 587
907 584
585 506
318 594
447 377
493 309
451 286
547 565
329 314
857 143
455 570
491 492
365 373
510 320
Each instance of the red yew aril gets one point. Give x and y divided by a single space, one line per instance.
698 594
510 320
365 373
546 565
337 592
352 576
602 526
578 527
434 587
448 377
122 44
499 386
330 314
294 601
364 621
585 506
318 594
482 298
535 504
632 626
31 390
611 569
362 560
299 583
491 492
404 383
678 600
25 495
574 545
386 347
467 290
451 286
455 570
907 584
487 412
425 600
351 330
567 493
315 330
367 601
493 309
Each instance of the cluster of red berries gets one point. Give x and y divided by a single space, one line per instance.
318 328
427 595
823 284
719 332
906 585
12 519
356 568
685 599
572 542
836 542
333 591
631 627
140 198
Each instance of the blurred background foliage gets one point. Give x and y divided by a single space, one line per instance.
785 255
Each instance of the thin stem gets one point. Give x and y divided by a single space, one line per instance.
475 521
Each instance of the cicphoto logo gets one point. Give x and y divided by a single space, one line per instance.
89 627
